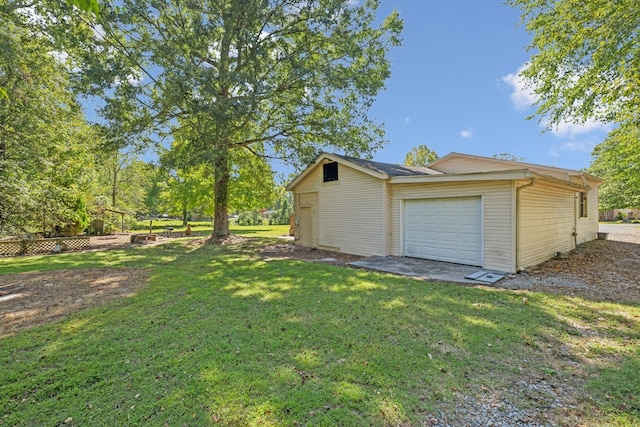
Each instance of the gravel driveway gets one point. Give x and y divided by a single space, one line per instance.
629 233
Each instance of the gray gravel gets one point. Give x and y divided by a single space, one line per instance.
524 282
498 409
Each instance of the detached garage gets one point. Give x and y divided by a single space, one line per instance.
495 214
447 229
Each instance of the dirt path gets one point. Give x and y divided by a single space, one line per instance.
31 299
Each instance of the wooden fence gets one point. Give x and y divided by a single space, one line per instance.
42 246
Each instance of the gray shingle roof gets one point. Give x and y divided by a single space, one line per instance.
389 168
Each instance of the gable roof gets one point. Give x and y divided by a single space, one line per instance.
389 169
505 169
509 164
377 169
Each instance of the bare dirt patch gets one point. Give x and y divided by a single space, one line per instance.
99 243
31 299
291 251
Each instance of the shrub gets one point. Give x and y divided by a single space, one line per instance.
282 214
250 218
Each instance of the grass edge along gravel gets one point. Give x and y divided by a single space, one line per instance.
219 336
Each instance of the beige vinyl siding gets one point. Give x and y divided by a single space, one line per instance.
350 210
470 165
386 217
497 202
588 227
546 221
311 182
351 213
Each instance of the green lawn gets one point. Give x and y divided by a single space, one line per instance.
204 228
218 336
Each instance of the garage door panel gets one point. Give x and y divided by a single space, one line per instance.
430 250
450 237
449 220
444 229
429 220
448 204
449 253
469 220
469 238
429 235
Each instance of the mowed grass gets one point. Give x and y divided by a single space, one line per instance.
219 336
204 228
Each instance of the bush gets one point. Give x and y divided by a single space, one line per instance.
250 218
282 214
77 221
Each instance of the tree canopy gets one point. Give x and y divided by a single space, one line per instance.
46 147
617 162
508 156
283 78
420 156
585 61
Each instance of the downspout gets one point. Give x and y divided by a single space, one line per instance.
575 211
385 216
519 219
575 221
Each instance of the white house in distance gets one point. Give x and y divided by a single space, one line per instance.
496 214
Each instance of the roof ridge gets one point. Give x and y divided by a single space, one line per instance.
391 169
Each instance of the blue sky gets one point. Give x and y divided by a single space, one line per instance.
454 87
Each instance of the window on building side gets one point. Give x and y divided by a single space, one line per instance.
330 172
583 205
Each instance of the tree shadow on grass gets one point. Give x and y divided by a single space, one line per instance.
219 336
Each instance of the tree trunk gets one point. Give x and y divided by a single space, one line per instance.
221 190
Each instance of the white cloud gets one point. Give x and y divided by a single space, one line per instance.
566 129
407 120
522 95
573 147
134 78
466 134
583 147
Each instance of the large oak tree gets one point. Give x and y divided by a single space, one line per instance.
283 78
585 61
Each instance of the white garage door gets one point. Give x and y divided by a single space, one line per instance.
444 229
